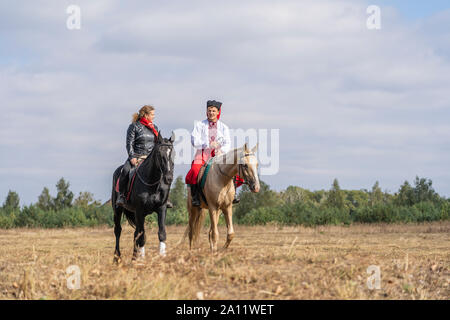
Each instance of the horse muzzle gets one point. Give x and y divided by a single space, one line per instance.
254 187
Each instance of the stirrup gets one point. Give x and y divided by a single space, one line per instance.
120 199
196 202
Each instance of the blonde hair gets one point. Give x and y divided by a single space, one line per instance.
142 112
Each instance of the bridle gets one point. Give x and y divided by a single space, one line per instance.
242 167
158 159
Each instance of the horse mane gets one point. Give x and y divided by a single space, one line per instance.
153 152
221 159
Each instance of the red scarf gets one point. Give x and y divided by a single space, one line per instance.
149 125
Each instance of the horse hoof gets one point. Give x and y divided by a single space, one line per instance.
138 262
117 260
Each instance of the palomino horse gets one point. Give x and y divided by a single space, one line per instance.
219 193
150 192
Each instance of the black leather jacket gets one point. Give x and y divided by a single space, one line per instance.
140 140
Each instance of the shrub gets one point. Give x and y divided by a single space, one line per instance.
177 217
297 213
261 215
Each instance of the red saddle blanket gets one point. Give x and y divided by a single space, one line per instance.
130 184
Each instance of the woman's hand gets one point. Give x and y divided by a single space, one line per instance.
133 161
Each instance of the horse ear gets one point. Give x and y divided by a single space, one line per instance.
172 137
159 137
245 147
255 148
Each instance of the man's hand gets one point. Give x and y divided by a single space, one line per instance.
214 145
133 161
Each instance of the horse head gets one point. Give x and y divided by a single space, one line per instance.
248 168
165 155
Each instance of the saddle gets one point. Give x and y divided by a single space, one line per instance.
131 177
201 178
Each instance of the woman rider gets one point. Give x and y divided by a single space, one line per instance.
141 138
209 137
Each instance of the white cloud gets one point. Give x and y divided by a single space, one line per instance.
348 101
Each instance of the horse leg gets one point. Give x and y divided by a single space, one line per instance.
228 213
214 231
117 231
162 230
139 236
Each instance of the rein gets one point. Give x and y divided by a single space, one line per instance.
240 168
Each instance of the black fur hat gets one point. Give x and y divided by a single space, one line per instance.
214 103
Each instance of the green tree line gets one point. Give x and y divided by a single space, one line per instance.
294 206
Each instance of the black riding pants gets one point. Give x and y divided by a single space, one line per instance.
123 182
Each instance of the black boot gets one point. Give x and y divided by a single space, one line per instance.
123 184
195 195
236 197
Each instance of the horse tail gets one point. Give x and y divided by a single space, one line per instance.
196 219
186 232
130 217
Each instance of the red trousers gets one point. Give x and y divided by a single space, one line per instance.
201 157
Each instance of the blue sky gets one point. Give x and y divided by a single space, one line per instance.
350 103
417 9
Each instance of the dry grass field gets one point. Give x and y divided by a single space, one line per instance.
270 262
